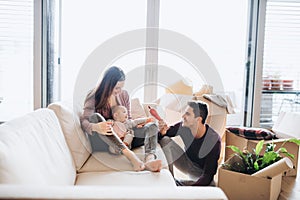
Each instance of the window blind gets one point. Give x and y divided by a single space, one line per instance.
16 57
16 26
281 58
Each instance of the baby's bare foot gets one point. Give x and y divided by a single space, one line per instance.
138 165
153 165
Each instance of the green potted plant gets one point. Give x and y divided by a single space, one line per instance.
254 174
248 162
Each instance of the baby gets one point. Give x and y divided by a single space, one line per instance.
123 126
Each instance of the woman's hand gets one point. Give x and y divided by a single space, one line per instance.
103 128
162 127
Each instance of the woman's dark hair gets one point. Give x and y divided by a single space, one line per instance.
111 77
199 109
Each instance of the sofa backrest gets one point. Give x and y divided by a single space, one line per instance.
76 139
33 151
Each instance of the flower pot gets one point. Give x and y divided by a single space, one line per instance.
276 84
287 84
266 84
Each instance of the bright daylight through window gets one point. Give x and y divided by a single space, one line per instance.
223 39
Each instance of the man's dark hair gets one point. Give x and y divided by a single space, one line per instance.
200 109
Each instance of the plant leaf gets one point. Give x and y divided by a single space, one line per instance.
282 150
269 158
259 147
238 151
294 140
289 155
270 147
256 166
235 149
285 152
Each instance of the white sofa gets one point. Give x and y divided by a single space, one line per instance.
45 155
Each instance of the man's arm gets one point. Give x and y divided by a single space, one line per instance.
171 131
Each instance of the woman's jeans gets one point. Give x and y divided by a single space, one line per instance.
147 135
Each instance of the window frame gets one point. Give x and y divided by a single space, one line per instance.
46 53
254 76
255 62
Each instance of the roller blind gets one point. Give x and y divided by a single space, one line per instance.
16 58
282 42
16 26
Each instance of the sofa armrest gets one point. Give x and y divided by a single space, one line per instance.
112 193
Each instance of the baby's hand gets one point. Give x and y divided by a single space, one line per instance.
149 119
140 125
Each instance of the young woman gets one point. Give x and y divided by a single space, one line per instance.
96 112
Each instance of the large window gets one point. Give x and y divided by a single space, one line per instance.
218 28
281 61
96 23
16 58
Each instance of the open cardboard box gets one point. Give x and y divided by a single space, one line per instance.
243 186
175 104
285 127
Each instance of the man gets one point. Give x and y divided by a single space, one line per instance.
199 158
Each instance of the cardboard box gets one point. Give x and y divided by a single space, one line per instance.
285 127
243 186
175 104
243 143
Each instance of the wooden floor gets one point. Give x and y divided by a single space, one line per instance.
290 188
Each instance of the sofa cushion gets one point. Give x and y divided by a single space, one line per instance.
83 192
252 133
129 178
76 139
137 110
33 151
103 161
